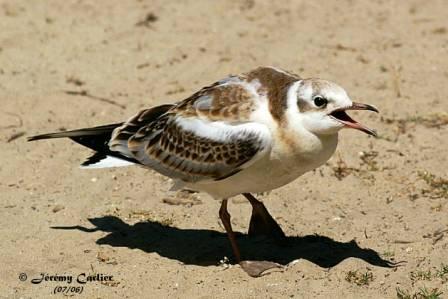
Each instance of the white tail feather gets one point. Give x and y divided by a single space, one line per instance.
109 161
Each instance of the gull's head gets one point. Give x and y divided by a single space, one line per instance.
320 106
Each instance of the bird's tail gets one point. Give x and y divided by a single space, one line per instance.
97 139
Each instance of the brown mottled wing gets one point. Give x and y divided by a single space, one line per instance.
121 135
191 141
231 100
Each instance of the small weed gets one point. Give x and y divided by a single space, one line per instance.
400 129
421 275
435 120
368 164
368 159
167 222
443 270
388 254
442 273
422 293
429 294
148 216
438 186
361 279
141 215
403 294
341 170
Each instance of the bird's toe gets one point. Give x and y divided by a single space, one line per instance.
258 268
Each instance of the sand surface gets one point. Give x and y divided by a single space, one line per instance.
73 64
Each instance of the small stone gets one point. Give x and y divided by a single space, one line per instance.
57 208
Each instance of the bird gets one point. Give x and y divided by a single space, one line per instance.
244 134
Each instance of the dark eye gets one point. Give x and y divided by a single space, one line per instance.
320 101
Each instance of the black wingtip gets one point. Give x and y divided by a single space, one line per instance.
44 136
37 137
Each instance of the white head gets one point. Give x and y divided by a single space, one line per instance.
320 106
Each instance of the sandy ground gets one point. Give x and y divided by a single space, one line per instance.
72 64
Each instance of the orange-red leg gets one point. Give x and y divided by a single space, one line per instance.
253 268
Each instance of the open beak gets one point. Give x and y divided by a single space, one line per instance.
341 116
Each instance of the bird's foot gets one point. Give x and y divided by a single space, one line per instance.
258 268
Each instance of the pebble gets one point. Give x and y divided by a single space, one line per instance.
57 208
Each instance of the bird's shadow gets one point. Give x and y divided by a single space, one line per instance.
207 247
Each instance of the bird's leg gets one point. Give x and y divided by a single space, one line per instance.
253 268
261 222
225 218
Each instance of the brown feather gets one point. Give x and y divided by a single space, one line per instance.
276 83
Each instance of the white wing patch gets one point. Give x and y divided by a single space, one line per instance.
223 132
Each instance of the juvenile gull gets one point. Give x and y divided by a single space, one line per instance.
244 134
